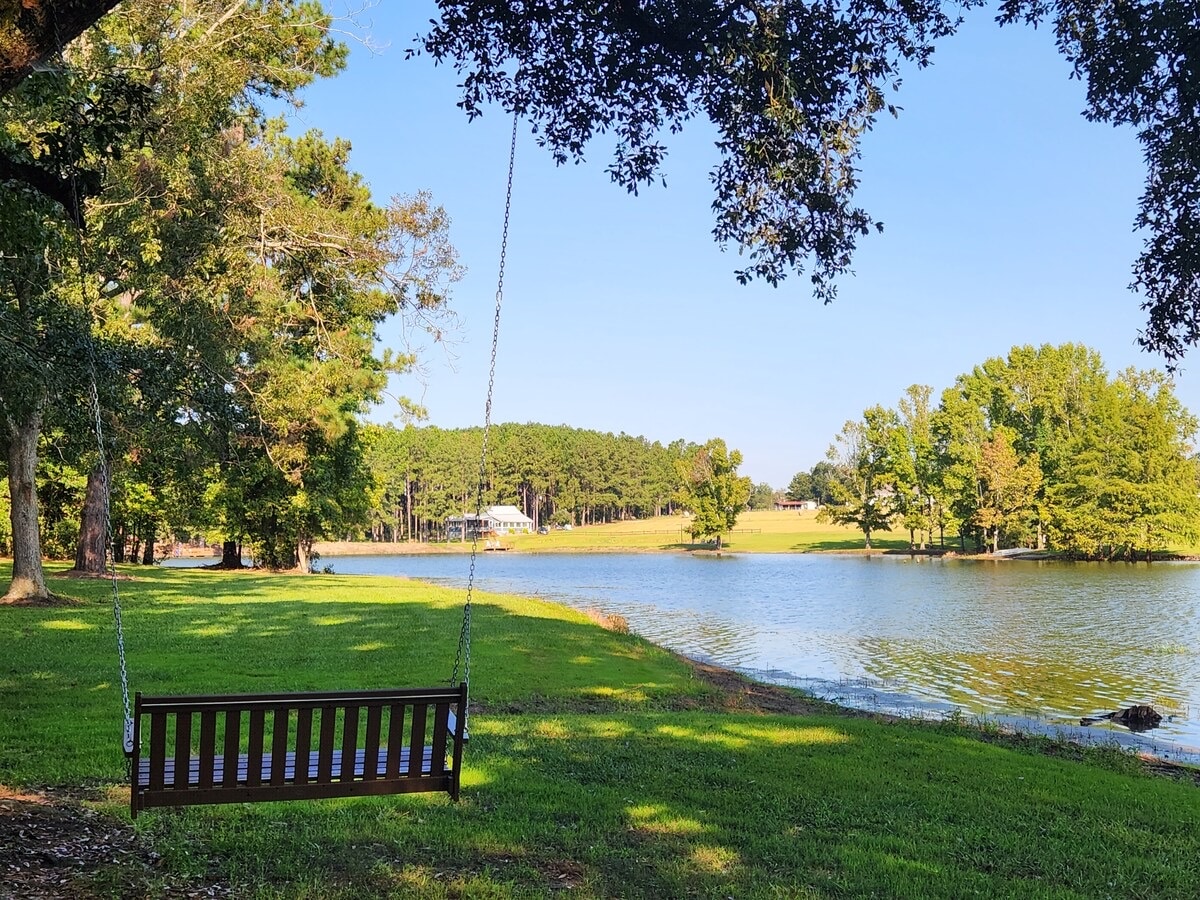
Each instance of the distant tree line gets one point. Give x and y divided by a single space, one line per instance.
398 484
555 474
1041 448
815 484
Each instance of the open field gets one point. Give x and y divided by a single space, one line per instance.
758 531
598 765
761 531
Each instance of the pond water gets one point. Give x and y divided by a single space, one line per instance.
1039 644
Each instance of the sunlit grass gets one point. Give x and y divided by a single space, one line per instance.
758 531
761 531
597 765
67 625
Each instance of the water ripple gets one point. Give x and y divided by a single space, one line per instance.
1054 640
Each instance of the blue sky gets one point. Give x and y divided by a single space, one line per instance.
1008 221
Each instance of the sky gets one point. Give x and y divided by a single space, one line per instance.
1008 221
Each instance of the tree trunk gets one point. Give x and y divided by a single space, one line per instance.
408 510
718 547
867 538
304 555
28 577
91 553
231 556
148 551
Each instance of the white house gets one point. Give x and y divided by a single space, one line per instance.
795 504
507 520
495 520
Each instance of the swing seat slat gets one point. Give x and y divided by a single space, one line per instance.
257 747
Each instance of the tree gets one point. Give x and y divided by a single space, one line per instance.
1042 395
824 475
259 259
912 464
800 487
126 135
1008 488
861 496
330 265
762 496
33 30
1131 483
714 490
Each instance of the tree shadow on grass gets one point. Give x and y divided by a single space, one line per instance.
62 689
619 802
703 804
850 545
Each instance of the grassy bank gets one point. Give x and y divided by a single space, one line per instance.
598 763
760 531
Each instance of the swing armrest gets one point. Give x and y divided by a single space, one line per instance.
452 725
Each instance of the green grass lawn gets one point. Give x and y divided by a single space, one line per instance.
598 764
758 531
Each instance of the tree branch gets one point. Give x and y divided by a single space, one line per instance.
32 31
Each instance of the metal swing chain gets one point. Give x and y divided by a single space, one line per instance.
110 558
110 554
462 658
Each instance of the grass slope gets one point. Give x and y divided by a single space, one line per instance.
759 531
598 763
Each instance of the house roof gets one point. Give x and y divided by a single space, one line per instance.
508 514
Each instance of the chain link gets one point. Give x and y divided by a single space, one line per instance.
110 556
462 658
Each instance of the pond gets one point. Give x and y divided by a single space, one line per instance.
1036 643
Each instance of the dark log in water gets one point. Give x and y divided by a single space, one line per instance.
1135 718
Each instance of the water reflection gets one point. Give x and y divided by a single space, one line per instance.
1050 641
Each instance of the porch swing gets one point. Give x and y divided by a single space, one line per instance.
247 748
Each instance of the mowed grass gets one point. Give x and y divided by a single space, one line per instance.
598 765
757 531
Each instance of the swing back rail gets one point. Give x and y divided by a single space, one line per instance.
243 748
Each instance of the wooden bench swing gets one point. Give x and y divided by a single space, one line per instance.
246 748
304 746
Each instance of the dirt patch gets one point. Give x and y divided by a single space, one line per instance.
563 874
383 548
95 576
737 693
51 601
608 621
52 846
1175 771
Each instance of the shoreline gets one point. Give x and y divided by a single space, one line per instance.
878 701
334 549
